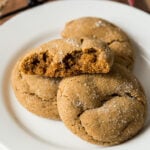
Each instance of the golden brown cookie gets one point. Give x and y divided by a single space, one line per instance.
66 57
98 28
36 93
105 109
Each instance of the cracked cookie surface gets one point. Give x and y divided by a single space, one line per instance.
98 28
105 109
37 94
66 57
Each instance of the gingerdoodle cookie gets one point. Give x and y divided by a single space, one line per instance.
105 109
36 93
98 28
66 57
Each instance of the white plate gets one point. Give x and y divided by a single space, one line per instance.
22 130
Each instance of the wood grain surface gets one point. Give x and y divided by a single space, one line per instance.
12 5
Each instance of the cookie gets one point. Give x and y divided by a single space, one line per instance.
36 93
98 28
67 57
105 109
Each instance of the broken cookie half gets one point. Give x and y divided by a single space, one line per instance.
66 57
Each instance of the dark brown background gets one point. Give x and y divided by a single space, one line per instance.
15 4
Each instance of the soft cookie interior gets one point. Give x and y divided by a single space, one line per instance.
66 57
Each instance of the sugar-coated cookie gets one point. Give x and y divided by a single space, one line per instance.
105 109
98 28
36 93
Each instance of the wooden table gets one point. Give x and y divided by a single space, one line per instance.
12 5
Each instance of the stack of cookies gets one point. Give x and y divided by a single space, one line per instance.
84 79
